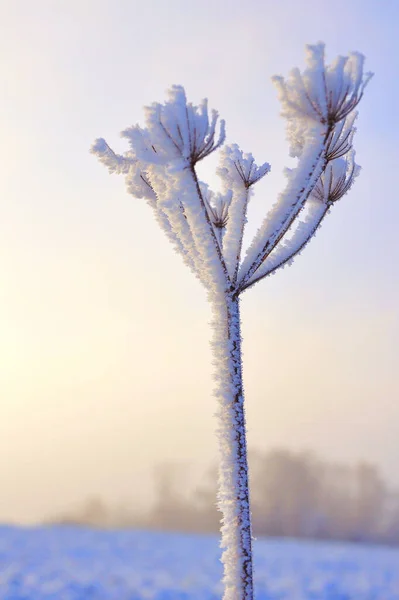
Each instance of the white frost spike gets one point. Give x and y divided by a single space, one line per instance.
323 94
337 179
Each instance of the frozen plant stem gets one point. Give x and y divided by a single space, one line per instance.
233 497
207 229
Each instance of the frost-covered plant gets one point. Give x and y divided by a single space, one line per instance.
207 230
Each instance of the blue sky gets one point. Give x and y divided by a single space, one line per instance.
105 365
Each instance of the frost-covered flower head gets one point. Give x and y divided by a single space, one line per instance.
235 166
337 179
340 139
177 132
217 205
325 94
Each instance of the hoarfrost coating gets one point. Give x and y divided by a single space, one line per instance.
207 230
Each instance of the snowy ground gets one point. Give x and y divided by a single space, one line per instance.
78 564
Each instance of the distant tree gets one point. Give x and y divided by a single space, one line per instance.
390 525
370 496
207 230
171 506
294 494
285 494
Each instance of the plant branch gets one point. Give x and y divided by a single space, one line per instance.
211 229
319 164
289 257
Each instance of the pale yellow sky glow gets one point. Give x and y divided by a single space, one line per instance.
105 364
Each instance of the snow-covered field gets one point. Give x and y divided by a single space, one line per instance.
79 564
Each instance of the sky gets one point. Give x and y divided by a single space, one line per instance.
105 364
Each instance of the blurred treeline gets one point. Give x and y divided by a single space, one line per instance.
294 494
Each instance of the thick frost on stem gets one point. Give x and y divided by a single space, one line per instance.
141 184
184 237
179 242
175 215
233 497
215 266
183 186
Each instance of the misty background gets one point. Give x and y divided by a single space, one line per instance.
294 494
